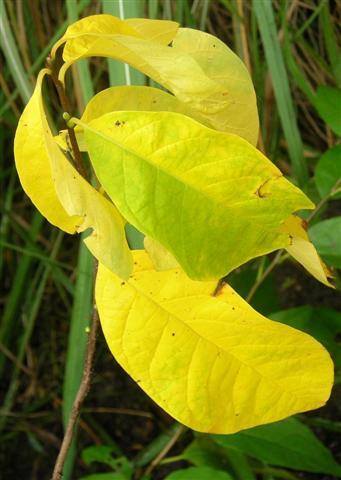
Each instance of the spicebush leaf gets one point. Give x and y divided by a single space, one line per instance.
328 172
197 68
208 197
135 98
288 443
326 236
304 251
61 194
31 153
159 31
199 473
213 363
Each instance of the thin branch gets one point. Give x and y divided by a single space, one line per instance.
65 104
261 279
81 394
172 441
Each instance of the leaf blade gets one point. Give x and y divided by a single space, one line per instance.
186 348
218 182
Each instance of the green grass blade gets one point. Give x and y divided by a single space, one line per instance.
37 295
12 56
42 56
120 73
267 26
333 50
83 65
9 320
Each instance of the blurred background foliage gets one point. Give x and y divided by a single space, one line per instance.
291 49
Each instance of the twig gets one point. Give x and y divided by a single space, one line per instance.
261 279
66 108
165 450
81 394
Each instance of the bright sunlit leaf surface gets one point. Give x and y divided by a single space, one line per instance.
208 197
213 363
196 67
61 194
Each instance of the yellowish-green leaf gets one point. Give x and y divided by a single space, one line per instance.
304 251
208 197
198 69
105 26
55 183
160 257
213 363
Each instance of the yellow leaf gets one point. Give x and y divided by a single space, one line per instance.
210 198
213 363
304 251
128 98
52 180
159 31
198 69
31 153
134 98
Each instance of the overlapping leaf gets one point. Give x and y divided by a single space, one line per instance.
208 197
304 251
151 99
213 363
105 26
197 68
61 194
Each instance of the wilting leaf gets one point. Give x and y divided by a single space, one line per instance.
328 173
208 197
288 443
54 184
213 363
304 251
106 26
31 153
326 236
198 69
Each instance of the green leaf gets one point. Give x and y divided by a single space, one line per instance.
106 476
199 473
326 237
288 443
209 197
99 453
328 173
327 103
203 452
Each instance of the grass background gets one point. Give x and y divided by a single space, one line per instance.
291 49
